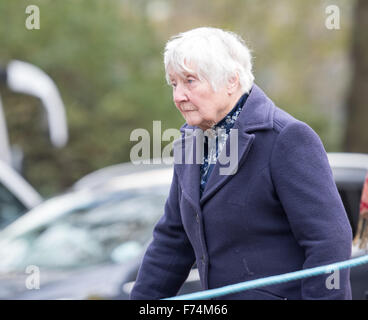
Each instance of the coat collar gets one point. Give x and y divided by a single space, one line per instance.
257 114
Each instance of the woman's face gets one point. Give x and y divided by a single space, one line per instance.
199 104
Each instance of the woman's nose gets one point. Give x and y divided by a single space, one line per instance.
179 94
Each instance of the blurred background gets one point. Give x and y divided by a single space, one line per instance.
68 204
106 59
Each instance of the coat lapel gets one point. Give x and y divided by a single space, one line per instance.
257 114
188 173
219 176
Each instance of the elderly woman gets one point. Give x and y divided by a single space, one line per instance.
278 212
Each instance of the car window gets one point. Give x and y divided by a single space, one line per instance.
114 231
351 200
10 207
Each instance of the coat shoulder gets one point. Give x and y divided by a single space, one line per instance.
284 122
282 119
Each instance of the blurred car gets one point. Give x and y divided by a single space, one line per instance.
102 175
83 242
349 170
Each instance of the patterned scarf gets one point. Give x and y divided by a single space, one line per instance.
218 134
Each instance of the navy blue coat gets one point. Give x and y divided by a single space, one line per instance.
281 212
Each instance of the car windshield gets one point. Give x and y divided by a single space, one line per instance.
113 231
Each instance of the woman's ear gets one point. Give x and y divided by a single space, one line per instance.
233 84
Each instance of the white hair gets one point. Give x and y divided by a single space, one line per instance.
215 54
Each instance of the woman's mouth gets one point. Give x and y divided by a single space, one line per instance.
187 108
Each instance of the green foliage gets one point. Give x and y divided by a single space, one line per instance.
106 58
107 65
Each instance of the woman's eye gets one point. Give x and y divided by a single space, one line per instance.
190 80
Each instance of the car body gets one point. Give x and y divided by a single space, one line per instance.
116 199
349 171
102 175
92 234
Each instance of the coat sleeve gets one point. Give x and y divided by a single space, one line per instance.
169 257
305 186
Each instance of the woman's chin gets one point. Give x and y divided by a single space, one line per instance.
192 121
197 122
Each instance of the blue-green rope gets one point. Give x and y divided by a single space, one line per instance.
247 285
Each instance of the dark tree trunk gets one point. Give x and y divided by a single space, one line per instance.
356 136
